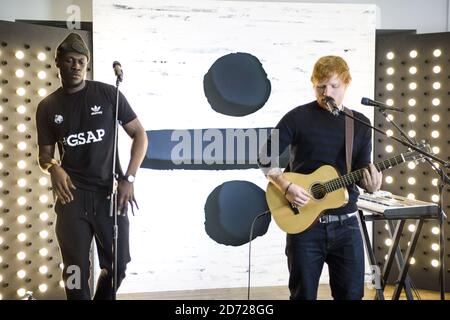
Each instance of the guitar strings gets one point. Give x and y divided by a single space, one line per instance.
354 176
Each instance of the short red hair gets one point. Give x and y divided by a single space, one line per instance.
327 66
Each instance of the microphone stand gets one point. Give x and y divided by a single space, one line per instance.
444 179
113 196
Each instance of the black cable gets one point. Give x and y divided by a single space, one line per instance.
250 248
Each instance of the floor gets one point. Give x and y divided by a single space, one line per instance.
259 293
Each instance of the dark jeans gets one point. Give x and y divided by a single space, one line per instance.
77 223
340 245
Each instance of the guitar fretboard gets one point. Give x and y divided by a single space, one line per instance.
356 175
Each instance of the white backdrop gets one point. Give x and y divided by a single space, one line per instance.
165 48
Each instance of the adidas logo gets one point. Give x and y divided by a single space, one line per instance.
96 110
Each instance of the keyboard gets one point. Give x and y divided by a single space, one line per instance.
396 207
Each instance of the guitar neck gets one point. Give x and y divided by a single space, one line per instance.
356 175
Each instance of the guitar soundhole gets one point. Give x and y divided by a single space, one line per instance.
318 191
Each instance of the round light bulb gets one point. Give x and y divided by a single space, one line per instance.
21 219
22 237
21 255
43 198
43 287
437 52
42 75
21 109
436 102
20 73
43 181
21 201
21 292
43 216
412 102
43 234
435 230
21 127
19 54
21 145
42 92
21 182
43 269
21 164
411 165
20 91
41 56
435 118
413 54
21 274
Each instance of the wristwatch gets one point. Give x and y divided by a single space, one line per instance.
129 178
51 164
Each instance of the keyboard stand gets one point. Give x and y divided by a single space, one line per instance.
403 280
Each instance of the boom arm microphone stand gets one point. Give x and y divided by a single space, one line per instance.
444 179
113 196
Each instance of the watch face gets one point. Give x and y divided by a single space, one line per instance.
130 178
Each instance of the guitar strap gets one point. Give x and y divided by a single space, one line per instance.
349 133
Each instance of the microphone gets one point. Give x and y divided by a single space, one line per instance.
118 70
381 105
331 104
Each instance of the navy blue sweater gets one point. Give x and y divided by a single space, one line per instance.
316 138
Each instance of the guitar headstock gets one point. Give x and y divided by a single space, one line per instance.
413 155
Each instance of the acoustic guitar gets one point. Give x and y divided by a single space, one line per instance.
327 190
